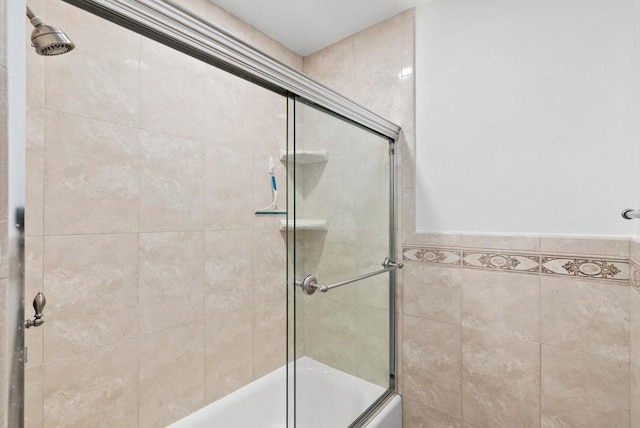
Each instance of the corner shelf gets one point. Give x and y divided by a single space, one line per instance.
305 157
306 224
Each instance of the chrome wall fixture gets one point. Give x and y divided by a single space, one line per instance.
39 303
630 214
46 39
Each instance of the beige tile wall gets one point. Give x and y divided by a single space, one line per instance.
347 328
547 325
144 167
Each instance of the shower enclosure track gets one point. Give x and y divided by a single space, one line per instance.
175 26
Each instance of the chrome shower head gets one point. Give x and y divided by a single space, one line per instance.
46 39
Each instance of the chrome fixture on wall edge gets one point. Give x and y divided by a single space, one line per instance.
39 303
630 214
46 39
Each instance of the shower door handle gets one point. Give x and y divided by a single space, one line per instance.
310 283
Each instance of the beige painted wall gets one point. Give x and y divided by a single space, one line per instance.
144 168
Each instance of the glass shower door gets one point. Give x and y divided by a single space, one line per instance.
343 294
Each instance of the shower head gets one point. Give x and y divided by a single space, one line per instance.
46 39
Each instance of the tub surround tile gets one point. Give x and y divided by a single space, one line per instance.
635 332
228 271
585 316
501 303
331 333
35 70
179 108
416 415
408 216
103 390
573 295
33 279
432 364
378 63
171 183
500 380
228 353
433 239
518 242
4 254
33 397
269 337
99 83
171 279
171 382
583 390
330 64
373 345
34 169
635 401
407 159
4 142
432 292
228 189
91 284
229 97
606 246
89 190
269 262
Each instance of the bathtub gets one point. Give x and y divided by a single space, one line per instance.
326 398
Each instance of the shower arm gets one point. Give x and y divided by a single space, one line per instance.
30 13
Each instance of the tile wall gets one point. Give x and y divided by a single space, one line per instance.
520 330
144 168
346 327
382 58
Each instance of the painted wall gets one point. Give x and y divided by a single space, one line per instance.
526 116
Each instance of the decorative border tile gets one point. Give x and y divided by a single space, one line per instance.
581 267
634 275
523 263
443 256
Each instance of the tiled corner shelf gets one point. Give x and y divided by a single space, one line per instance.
305 157
305 224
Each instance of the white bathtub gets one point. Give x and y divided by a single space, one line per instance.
326 398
